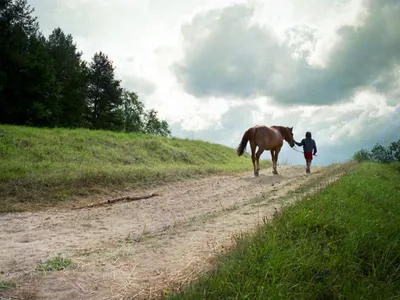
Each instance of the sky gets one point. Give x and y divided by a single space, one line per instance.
212 69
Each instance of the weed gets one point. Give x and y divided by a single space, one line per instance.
56 264
132 238
7 285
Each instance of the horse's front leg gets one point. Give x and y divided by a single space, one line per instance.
273 161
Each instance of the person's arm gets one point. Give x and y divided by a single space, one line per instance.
315 148
299 144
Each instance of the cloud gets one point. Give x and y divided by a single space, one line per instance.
223 52
228 55
138 84
227 130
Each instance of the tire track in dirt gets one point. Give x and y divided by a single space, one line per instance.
129 249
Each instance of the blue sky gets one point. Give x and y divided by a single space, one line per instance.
212 69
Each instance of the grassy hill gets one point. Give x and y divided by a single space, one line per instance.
342 243
43 166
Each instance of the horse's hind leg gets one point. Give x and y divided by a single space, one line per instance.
253 158
258 154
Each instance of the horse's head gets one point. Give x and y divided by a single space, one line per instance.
288 136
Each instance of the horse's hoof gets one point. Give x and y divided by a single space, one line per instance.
256 174
274 172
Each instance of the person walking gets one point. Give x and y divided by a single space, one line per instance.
309 149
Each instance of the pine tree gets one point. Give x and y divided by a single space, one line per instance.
27 82
71 73
104 95
40 88
16 27
46 82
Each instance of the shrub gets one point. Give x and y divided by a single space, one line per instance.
381 154
362 155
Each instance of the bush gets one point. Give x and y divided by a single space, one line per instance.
362 155
381 154
394 150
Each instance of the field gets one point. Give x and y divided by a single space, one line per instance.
40 167
211 229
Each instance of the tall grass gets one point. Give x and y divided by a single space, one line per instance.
42 166
343 243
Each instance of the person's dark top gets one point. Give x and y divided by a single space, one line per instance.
308 145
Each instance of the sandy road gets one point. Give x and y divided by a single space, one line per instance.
134 250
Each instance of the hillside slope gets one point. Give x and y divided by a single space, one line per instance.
43 166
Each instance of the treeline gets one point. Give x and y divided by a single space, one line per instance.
380 153
45 81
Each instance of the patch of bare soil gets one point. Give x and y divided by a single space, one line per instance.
134 250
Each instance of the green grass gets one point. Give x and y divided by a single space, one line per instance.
44 166
342 243
57 263
7 285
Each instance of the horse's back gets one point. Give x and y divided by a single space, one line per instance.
270 131
267 136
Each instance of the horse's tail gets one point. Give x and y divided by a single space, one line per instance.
242 146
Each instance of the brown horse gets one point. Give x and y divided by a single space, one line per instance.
266 138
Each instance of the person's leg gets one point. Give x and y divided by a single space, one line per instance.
309 165
307 158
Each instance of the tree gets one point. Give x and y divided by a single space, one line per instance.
362 155
27 82
104 95
16 27
71 73
380 154
154 126
394 150
47 83
133 112
41 90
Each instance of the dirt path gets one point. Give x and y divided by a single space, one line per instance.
134 250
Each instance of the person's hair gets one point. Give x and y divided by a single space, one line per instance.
308 135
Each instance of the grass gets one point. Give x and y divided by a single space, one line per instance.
40 167
7 285
57 263
341 243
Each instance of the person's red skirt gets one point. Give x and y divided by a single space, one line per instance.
308 155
